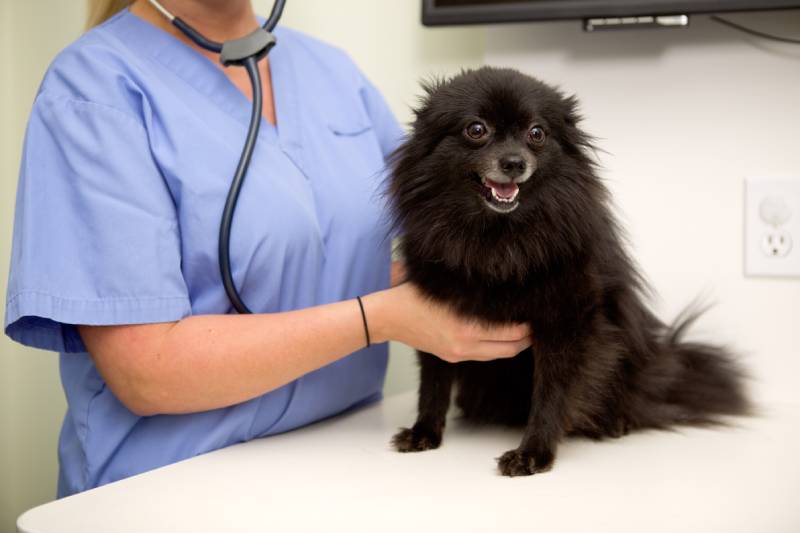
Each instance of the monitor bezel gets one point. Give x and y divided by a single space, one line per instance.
582 9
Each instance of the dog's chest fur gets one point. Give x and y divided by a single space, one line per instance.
536 298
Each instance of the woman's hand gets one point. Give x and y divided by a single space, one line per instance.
403 314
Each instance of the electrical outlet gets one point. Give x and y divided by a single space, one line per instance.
776 244
772 227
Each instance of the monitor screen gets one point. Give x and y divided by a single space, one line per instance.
447 12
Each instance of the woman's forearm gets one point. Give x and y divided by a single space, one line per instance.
209 361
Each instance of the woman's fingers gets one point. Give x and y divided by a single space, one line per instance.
488 350
503 333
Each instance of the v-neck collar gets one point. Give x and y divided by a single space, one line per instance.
200 73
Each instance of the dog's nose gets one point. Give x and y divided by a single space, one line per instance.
512 165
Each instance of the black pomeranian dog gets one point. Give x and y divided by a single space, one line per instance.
504 219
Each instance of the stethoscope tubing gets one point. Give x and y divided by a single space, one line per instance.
226 223
250 64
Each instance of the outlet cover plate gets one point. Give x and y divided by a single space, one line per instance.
772 227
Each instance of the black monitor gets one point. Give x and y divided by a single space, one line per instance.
450 12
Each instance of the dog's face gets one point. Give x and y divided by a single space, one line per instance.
495 145
501 157
488 134
493 155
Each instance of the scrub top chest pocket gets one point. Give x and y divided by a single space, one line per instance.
351 170
359 160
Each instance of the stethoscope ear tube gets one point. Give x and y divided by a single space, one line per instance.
274 15
245 52
197 37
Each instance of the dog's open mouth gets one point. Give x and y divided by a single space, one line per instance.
500 197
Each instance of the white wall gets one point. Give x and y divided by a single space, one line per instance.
685 115
31 401
6 135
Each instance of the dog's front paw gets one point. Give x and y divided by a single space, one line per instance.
521 463
417 439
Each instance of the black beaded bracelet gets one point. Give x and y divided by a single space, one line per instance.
364 318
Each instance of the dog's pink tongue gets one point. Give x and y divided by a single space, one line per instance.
503 190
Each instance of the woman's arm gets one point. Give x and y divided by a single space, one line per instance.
208 361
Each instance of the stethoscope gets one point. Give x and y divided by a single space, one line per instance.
244 52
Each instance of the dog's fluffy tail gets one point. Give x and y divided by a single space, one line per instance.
692 383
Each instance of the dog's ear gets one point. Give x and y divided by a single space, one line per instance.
434 112
571 116
576 141
430 86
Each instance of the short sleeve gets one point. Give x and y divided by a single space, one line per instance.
96 239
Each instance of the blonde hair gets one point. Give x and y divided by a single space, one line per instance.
101 10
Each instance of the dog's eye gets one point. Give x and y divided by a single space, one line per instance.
476 130
536 135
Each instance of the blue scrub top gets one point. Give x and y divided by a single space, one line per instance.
129 153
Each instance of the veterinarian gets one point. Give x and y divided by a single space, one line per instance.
130 146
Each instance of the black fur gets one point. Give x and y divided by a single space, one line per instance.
601 363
